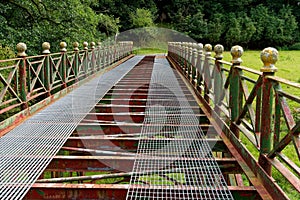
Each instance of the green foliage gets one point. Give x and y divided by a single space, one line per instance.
295 46
34 22
197 26
141 18
250 23
6 53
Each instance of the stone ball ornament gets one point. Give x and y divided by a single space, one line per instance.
76 46
21 48
63 46
46 47
236 53
269 57
85 45
208 48
219 49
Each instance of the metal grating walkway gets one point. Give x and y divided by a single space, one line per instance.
27 150
173 160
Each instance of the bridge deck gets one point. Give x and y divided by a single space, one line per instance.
135 132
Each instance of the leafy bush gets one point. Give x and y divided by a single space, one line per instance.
6 53
295 46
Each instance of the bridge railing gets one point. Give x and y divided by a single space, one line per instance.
253 103
29 80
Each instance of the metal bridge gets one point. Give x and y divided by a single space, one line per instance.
103 124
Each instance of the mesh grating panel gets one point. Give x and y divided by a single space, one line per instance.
26 151
174 162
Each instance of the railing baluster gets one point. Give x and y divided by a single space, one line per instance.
86 59
206 71
76 60
218 82
63 64
46 72
236 96
92 61
21 48
269 57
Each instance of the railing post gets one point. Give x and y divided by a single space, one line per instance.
186 53
199 66
46 72
99 56
194 62
218 83
63 66
76 60
206 71
180 58
190 61
86 58
105 56
236 97
269 56
21 48
93 60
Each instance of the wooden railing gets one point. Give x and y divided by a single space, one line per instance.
28 80
252 102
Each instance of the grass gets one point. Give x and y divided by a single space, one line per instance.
148 51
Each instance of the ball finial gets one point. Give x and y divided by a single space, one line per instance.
269 57
46 47
85 46
92 44
76 46
21 48
200 46
219 49
208 48
63 47
236 53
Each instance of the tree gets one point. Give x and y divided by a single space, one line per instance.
141 18
33 22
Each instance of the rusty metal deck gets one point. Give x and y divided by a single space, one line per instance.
98 157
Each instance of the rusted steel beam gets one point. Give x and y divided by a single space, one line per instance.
128 143
293 179
108 108
117 191
111 163
137 117
123 128
175 168
290 163
285 141
130 101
